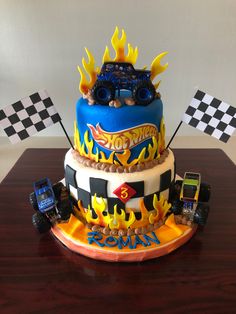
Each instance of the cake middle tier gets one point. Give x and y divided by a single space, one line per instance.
123 190
128 135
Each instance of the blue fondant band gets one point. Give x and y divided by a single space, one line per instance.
112 119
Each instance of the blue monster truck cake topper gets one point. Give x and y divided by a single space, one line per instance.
132 134
117 74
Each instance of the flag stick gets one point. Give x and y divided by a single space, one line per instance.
174 134
66 134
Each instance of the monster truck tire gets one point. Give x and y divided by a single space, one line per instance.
178 186
176 207
64 210
57 189
33 201
103 92
201 214
144 93
175 190
205 192
41 223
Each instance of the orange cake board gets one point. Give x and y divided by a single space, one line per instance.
75 236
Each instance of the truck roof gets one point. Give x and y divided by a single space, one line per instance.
191 182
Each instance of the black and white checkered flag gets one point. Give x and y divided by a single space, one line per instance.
28 116
211 115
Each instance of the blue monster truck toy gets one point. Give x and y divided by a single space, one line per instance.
52 204
122 75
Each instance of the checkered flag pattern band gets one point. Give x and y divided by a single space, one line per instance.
84 190
28 116
211 115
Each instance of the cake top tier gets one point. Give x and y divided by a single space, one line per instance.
113 130
100 85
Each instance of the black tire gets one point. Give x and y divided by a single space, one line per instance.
57 189
103 92
41 223
175 191
33 201
65 209
205 192
201 214
144 93
178 186
176 207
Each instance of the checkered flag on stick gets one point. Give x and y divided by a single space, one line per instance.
211 115
28 116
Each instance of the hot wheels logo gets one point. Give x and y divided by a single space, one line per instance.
124 139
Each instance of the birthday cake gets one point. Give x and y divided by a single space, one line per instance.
120 177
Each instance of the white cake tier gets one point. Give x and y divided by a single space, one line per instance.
84 182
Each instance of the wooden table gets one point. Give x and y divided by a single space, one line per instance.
39 275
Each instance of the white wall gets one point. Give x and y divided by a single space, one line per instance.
41 44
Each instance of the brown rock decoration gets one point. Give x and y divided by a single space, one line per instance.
89 97
129 101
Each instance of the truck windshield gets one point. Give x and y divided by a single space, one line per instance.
189 191
44 195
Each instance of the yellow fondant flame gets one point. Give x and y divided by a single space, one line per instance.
151 152
156 67
119 221
161 140
161 206
91 71
118 45
99 206
85 149
124 157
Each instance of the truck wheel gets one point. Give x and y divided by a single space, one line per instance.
103 92
64 210
176 207
178 186
41 223
201 214
33 201
144 93
57 189
175 191
205 192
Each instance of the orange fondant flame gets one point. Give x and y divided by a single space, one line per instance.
98 134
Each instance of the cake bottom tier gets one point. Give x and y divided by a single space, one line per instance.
78 238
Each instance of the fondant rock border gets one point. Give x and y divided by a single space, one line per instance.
123 232
179 219
118 168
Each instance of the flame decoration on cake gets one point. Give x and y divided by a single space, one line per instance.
91 71
119 48
85 146
119 45
119 221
